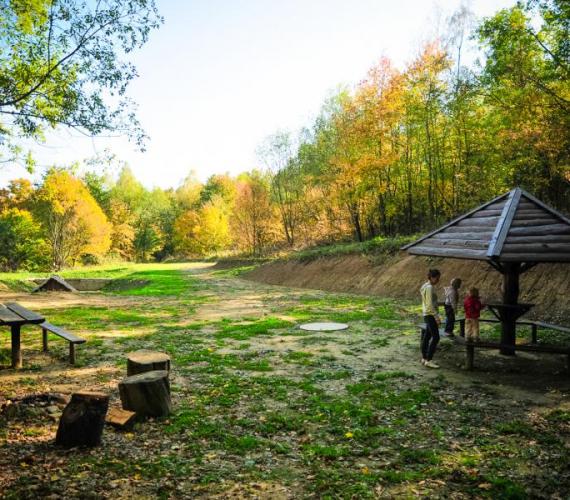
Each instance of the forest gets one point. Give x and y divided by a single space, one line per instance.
399 152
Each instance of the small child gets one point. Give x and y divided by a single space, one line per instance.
451 300
473 307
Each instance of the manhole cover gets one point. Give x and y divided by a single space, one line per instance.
323 327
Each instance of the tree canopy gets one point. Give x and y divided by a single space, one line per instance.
62 62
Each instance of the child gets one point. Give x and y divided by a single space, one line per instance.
431 318
473 306
451 300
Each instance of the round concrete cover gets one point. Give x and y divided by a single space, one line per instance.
323 327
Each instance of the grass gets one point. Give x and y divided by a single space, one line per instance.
257 401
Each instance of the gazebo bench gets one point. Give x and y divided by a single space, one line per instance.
534 325
60 332
484 344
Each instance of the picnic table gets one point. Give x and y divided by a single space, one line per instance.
15 316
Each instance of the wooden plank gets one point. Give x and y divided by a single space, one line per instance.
62 333
539 231
461 236
536 247
489 213
550 326
465 253
453 243
469 229
499 205
120 418
479 221
534 257
454 221
522 213
550 210
547 238
534 222
29 316
8 317
503 225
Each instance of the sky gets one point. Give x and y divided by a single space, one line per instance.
220 76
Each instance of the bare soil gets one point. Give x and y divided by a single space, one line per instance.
547 285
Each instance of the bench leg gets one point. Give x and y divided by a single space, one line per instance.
534 329
470 350
45 339
462 328
72 353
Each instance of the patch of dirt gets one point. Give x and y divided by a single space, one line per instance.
546 285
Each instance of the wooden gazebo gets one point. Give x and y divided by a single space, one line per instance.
513 233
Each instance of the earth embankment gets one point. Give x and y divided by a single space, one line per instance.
546 285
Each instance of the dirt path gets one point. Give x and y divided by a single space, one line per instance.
255 397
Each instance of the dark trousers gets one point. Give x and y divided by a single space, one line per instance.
430 338
449 319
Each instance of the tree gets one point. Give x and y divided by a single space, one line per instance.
254 220
73 222
21 243
204 231
61 65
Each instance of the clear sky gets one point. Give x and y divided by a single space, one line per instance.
221 75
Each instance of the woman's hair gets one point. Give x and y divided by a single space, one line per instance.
433 273
456 282
474 292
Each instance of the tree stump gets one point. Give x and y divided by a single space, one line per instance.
82 420
147 361
147 394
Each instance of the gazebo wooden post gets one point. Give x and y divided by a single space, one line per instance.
511 273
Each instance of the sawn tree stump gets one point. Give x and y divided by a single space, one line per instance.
147 361
147 394
82 420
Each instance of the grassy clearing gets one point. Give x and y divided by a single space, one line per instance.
256 400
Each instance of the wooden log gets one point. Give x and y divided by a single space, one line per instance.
489 213
463 253
547 238
461 236
539 213
122 419
498 205
534 222
456 243
147 394
470 229
536 247
82 420
479 222
535 257
539 231
147 361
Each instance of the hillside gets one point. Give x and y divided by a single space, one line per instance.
547 285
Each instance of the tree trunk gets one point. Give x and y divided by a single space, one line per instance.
147 361
147 394
82 420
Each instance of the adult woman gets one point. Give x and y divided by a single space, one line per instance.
432 320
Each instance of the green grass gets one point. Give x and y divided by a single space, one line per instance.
256 400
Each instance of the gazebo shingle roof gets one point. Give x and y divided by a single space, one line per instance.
514 227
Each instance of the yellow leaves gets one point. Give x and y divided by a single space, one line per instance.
349 435
76 224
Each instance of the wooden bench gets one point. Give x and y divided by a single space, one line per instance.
534 325
552 349
72 339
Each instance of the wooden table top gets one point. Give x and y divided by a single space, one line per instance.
13 313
